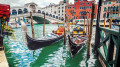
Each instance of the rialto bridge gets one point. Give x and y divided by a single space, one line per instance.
16 12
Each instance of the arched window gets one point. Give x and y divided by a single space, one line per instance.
104 8
111 8
53 16
39 11
108 8
117 8
103 15
47 14
107 15
56 17
25 10
43 12
50 15
14 12
19 11
114 8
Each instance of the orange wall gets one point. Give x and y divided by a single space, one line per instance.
78 10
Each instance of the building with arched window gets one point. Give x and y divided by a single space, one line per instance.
111 8
80 9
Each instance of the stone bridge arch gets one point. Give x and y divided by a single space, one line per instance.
25 10
20 11
14 12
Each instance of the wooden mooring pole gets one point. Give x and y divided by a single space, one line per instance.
33 34
84 23
90 36
110 22
88 24
86 27
104 22
44 26
64 37
64 30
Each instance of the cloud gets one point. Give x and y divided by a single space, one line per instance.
41 3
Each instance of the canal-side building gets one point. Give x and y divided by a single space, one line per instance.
82 7
56 10
69 10
51 10
110 8
80 10
61 9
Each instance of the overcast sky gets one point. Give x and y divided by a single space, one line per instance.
40 3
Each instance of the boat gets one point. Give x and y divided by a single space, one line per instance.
47 40
77 40
78 31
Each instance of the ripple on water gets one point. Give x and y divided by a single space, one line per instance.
23 57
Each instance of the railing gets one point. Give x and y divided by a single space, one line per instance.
109 46
35 14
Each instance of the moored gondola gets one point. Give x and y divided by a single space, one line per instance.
47 40
77 40
74 46
34 44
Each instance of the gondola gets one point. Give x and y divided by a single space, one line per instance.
76 41
74 47
47 40
34 44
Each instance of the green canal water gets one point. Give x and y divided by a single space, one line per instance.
55 55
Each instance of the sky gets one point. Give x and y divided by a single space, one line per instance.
40 3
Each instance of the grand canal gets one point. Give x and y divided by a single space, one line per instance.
55 55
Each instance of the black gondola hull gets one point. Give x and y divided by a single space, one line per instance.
73 48
34 44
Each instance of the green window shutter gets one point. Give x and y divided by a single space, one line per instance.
109 2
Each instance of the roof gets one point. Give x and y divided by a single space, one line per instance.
70 5
32 3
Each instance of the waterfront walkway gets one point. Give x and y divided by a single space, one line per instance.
3 60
